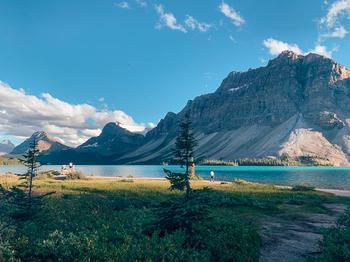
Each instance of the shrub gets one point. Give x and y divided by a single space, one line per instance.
177 214
302 188
47 174
7 252
241 182
170 247
335 245
76 175
195 177
235 241
126 180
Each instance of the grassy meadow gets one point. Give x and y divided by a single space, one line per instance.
118 219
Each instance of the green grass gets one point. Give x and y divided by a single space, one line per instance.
106 220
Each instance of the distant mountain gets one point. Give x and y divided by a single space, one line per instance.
113 140
295 106
46 144
6 146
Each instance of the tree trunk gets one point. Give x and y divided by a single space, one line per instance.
188 187
30 185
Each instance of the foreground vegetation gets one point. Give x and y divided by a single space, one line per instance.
126 220
335 245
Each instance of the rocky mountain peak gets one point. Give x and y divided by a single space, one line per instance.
114 139
6 142
40 135
113 128
297 105
288 54
250 105
46 143
6 146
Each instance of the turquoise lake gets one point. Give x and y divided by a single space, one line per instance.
323 177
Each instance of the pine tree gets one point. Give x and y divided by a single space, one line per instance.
183 155
32 164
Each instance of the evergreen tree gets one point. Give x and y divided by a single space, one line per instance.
184 155
32 164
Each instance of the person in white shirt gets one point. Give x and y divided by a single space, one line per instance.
212 176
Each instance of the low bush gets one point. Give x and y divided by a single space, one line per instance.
241 182
178 214
302 188
195 177
335 245
75 175
47 174
126 180
234 241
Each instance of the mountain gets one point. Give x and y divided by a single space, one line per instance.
6 146
294 106
113 140
46 144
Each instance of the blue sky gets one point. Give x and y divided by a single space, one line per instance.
146 57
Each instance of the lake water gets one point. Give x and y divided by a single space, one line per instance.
323 177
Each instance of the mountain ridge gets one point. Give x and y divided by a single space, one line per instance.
289 86
295 105
46 144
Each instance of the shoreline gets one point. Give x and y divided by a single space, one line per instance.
336 192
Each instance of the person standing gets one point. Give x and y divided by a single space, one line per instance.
212 176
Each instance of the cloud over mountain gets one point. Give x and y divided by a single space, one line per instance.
22 114
275 47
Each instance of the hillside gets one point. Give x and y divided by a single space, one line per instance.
46 144
295 106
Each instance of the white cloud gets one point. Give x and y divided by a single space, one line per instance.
122 5
336 10
338 32
23 114
232 14
168 20
322 50
275 47
193 24
331 25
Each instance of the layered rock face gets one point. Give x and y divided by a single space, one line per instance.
296 105
46 144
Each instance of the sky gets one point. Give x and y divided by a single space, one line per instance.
69 67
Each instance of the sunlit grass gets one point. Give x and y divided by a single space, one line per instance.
106 217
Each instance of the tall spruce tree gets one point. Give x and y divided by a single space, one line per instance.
30 160
183 155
